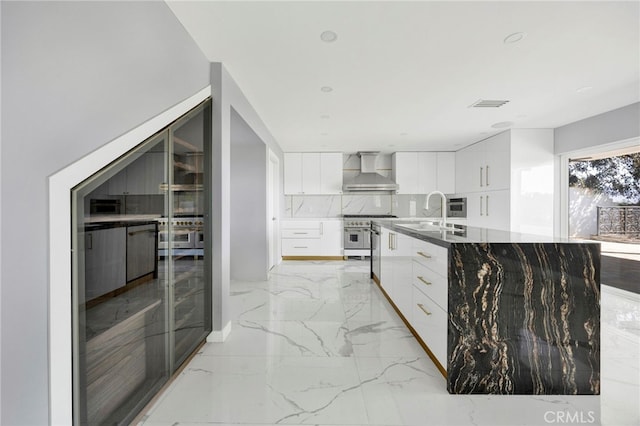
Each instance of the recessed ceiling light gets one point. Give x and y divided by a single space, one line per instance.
514 38
584 89
326 89
502 124
328 36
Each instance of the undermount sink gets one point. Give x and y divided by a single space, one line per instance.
429 225
434 226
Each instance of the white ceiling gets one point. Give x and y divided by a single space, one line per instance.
404 73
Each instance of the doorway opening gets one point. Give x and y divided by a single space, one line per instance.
604 205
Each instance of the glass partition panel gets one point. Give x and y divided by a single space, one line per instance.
120 293
141 282
190 316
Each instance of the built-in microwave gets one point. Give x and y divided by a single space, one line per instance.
457 207
108 206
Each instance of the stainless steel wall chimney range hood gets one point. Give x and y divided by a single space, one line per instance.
368 179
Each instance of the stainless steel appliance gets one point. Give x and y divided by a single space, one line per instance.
369 179
187 236
104 206
357 234
457 207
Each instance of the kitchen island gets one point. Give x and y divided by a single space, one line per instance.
498 312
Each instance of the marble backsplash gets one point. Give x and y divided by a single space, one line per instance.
318 206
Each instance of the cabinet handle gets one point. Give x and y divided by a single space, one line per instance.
144 231
481 176
300 233
89 244
424 255
321 228
481 201
487 206
424 281
421 306
392 241
300 247
486 176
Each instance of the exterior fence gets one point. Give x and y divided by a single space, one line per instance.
619 221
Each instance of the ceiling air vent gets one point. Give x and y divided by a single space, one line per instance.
486 103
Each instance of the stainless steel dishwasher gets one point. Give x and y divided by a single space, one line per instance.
375 252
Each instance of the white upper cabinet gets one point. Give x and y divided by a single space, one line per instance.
484 166
508 181
423 172
293 173
331 173
312 173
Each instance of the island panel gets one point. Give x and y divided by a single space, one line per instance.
524 318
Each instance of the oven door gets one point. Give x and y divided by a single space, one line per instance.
184 239
354 238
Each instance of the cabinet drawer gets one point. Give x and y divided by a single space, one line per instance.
430 322
432 256
300 233
300 224
301 247
430 283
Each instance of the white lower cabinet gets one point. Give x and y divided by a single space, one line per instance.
402 282
430 322
300 247
386 261
414 274
311 238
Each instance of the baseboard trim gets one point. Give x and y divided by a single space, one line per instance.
219 336
312 257
439 366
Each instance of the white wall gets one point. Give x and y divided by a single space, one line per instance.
227 96
249 245
583 211
75 75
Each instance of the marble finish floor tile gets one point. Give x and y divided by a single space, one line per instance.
318 344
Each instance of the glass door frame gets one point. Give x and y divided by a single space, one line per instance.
77 211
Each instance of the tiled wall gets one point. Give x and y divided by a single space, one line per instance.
301 206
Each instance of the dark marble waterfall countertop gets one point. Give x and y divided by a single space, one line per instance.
464 233
94 223
523 311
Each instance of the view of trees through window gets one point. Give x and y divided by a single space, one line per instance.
618 177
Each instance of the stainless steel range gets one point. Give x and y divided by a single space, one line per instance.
357 234
187 236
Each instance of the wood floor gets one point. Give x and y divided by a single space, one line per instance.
620 273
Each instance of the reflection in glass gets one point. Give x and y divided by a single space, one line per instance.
141 296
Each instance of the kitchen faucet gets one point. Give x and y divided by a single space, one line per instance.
443 205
